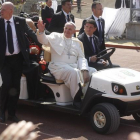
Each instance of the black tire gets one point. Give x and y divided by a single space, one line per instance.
109 118
136 116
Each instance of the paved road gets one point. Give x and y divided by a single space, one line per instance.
127 58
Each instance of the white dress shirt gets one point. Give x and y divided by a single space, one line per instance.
66 16
14 35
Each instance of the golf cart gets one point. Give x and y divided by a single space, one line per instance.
112 93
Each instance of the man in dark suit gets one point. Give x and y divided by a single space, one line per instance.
47 13
97 12
14 49
91 45
59 19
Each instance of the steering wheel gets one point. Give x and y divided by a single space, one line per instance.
108 53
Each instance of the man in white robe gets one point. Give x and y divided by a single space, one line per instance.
67 58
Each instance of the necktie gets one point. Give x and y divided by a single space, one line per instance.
94 49
100 31
68 18
9 38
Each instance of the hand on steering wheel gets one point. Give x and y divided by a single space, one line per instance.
108 53
93 58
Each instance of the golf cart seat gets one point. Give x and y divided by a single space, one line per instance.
60 90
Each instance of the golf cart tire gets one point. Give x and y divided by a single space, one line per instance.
136 116
109 117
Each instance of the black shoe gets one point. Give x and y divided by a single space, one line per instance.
2 117
77 105
13 118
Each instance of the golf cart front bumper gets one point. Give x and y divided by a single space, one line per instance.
132 107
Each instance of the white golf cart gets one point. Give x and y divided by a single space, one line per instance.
112 93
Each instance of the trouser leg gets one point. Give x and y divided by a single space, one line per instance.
6 84
79 5
15 90
11 74
32 78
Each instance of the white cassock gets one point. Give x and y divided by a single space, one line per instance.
67 59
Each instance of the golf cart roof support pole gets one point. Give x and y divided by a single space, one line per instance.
131 11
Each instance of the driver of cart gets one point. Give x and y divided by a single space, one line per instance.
91 45
68 62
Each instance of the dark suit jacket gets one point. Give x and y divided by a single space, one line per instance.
58 21
88 48
118 4
96 33
47 13
21 28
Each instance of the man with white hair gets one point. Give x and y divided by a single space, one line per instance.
13 50
67 58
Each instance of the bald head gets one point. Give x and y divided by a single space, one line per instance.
8 4
7 10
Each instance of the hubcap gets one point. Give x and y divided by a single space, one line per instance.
99 119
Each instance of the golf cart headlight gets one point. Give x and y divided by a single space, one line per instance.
115 88
118 89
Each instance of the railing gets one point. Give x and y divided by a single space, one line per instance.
119 46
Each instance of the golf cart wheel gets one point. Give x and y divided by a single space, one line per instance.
137 117
105 118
